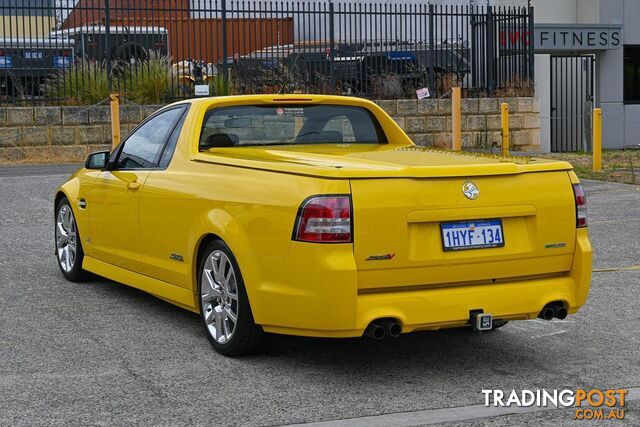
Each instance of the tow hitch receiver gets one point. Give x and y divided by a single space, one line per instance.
481 321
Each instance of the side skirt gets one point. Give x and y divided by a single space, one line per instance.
171 293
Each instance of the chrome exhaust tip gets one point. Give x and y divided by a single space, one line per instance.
547 313
395 330
561 313
375 331
391 326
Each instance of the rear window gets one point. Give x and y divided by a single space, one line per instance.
250 125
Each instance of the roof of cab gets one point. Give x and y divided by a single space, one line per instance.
278 98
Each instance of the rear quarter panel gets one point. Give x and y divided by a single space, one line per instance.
252 211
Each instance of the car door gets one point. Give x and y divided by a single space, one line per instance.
114 200
164 223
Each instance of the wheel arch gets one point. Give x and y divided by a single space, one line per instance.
199 249
199 252
59 196
68 190
197 255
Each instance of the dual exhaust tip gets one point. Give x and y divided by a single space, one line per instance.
553 310
381 328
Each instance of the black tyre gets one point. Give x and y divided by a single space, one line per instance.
69 251
224 305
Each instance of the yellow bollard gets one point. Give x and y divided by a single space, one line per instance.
505 129
597 140
456 118
115 119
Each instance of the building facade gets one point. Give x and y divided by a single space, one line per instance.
601 71
26 18
587 55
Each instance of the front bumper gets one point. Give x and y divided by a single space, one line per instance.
314 292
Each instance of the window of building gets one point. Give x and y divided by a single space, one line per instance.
632 74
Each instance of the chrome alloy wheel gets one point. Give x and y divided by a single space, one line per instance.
219 296
66 238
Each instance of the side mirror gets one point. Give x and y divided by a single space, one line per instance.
97 160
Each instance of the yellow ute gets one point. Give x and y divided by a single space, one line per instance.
317 216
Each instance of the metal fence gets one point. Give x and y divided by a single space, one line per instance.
161 50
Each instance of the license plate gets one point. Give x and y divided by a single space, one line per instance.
33 54
6 62
483 234
61 62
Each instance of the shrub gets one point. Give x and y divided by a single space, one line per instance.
85 83
149 81
516 87
221 85
387 86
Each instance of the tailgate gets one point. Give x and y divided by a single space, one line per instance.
398 242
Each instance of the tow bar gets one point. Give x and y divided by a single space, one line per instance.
480 321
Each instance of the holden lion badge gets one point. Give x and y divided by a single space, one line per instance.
470 190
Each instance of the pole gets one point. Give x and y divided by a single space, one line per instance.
432 50
597 140
532 57
107 41
491 54
223 19
332 47
505 129
115 119
456 118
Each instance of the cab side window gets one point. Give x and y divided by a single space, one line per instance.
143 148
340 126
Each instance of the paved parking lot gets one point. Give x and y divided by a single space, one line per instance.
101 353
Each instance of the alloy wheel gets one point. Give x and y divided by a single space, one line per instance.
66 238
219 296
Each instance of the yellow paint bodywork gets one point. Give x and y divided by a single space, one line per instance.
249 197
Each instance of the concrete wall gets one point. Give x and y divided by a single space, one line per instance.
428 122
543 93
45 134
557 11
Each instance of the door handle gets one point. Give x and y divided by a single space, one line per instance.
133 186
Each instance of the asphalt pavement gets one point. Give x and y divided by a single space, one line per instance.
98 353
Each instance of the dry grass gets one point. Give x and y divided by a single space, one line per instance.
50 154
515 88
621 166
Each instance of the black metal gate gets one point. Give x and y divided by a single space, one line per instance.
572 99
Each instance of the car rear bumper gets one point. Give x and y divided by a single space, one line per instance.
324 302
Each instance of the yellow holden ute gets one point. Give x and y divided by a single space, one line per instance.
317 216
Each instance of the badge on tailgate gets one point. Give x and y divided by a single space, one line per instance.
480 234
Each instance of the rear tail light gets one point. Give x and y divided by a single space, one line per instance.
324 219
581 206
